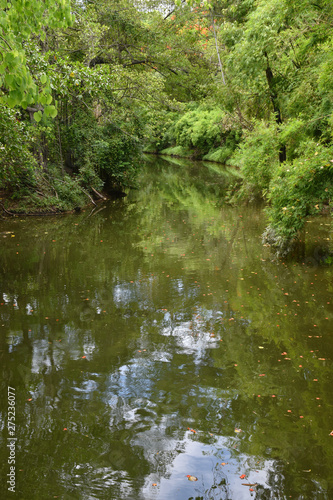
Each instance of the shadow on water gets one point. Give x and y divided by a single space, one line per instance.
154 339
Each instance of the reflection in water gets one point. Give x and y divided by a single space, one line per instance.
157 339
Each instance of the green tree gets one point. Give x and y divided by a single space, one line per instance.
21 22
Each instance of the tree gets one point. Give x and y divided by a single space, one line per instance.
20 23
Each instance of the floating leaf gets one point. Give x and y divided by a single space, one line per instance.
191 478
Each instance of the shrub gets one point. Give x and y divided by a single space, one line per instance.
101 153
298 189
258 157
115 158
200 129
17 164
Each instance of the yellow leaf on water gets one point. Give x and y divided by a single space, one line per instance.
191 478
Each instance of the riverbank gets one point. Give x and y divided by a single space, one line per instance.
33 207
218 155
65 195
43 204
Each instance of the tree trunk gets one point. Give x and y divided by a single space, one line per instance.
60 150
276 108
217 48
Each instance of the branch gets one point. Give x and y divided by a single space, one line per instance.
6 211
172 11
4 40
87 194
169 14
97 193
217 47
142 61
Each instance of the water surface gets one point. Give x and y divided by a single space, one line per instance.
155 338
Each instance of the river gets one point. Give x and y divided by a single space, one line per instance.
155 349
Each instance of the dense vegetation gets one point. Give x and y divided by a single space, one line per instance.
87 86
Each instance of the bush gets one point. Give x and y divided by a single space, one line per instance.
101 153
18 165
258 157
158 129
298 189
200 129
115 158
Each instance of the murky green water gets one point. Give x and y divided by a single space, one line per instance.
155 338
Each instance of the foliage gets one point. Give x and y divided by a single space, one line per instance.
177 151
248 83
17 163
220 155
57 192
158 134
99 151
97 131
20 22
199 129
298 189
257 156
277 58
202 129
116 159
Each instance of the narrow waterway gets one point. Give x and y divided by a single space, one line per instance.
154 338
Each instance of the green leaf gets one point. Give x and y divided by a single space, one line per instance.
11 101
38 116
52 111
42 99
43 79
9 80
9 58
